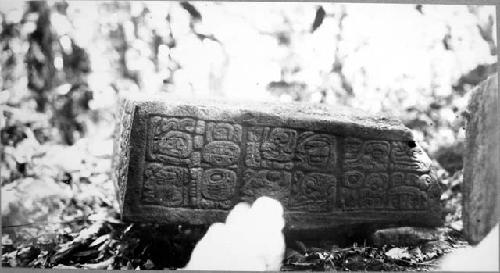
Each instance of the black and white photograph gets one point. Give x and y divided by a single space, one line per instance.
249 136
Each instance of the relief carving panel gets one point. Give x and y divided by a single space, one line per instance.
316 152
174 141
314 192
196 163
192 162
368 155
166 185
407 198
272 183
379 191
223 144
407 156
271 148
364 190
221 153
218 188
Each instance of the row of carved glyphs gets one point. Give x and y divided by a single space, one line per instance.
386 175
196 163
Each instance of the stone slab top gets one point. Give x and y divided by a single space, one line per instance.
338 118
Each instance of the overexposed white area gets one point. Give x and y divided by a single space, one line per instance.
390 53
388 49
483 257
250 239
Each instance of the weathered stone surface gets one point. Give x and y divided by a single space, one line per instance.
406 236
482 161
185 161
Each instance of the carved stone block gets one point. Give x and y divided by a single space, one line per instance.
482 161
185 161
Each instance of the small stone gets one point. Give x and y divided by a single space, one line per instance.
149 265
398 253
406 236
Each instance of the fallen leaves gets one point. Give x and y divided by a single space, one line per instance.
84 238
361 258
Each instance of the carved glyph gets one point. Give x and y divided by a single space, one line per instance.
272 183
217 189
314 192
316 151
407 156
165 185
271 148
223 144
172 140
366 155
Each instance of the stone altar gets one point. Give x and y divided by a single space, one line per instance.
187 161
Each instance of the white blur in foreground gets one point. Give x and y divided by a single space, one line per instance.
251 239
483 257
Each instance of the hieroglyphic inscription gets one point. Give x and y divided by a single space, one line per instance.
271 148
421 182
204 151
406 156
174 140
386 175
316 151
214 164
217 188
412 186
365 180
221 153
277 149
223 144
314 192
366 155
364 190
407 198
272 183
166 185
413 191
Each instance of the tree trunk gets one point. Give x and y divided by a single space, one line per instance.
40 56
